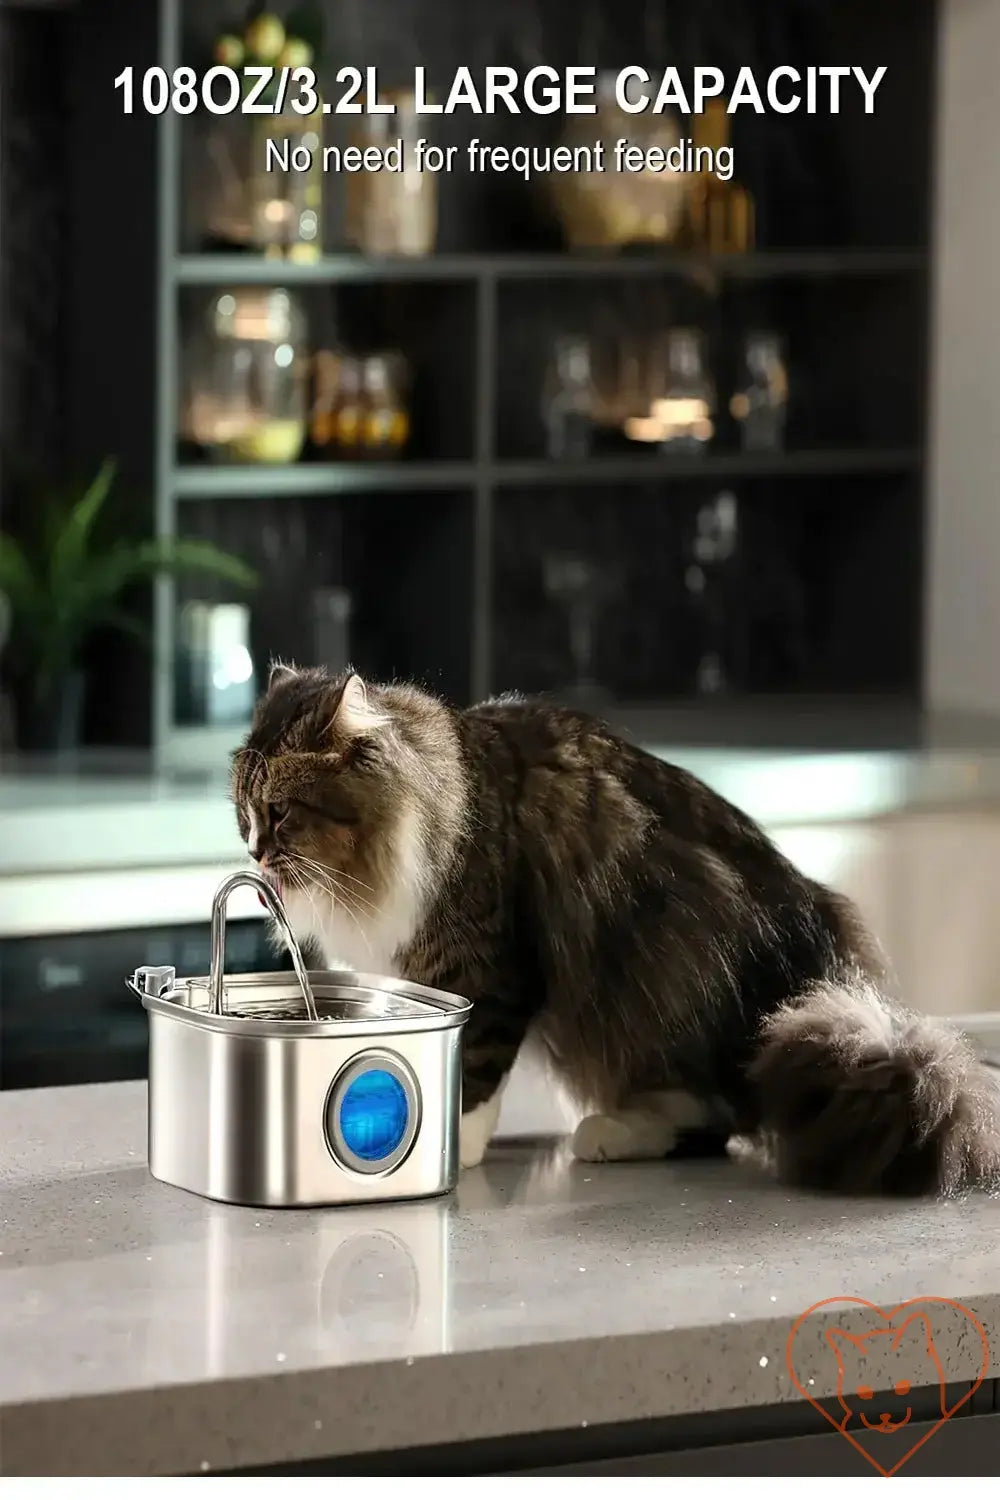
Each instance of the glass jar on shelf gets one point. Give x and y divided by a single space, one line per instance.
247 388
214 668
568 400
259 171
610 208
392 211
286 204
680 395
761 404
243 198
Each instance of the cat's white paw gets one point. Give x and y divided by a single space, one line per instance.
476 1129
632 1135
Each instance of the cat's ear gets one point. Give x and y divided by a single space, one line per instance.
355 713
280 672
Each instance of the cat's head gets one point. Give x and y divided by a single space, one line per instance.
878 1370
335 787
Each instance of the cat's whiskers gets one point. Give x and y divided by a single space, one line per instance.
328 880
325 873
339 874
341 897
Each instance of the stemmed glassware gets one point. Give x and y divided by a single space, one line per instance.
582 588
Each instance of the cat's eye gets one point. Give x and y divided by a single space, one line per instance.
902 1387
279 812
865 1392
342 816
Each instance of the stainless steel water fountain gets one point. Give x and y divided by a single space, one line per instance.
288 1090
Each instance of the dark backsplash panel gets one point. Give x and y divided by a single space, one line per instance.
807 609
33 190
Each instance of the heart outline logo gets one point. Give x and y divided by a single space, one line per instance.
888 1319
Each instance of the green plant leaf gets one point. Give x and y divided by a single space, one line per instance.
69 546
66 584
187 555
18 580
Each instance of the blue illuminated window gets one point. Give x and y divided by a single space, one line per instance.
374 1114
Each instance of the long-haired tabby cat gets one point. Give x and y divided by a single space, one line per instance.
687 982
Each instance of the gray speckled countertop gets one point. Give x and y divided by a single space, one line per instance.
145 1331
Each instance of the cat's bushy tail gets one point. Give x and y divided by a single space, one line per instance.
857 1095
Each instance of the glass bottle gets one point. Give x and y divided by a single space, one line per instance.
323 413
582 588
385 423
247 384
761 405
712 554
682 416
721 215
568 403
392 212
349 407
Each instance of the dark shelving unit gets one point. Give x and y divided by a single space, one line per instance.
443 549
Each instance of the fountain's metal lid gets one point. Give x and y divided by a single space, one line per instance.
307 1003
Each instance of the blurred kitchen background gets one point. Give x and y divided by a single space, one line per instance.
717 459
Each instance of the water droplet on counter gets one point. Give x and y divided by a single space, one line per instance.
581 1268
584 1423
810 1382
281 1358
409 1359
205 1466
773 1297
763 1361
732 1315
318 1425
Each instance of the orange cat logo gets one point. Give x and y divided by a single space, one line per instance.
880 1358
